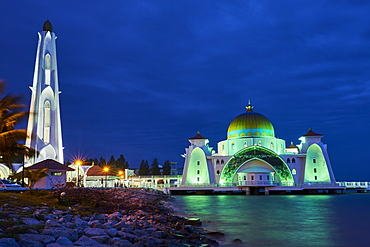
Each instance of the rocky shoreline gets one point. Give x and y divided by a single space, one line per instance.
122 217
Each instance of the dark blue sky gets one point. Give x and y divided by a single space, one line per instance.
139 78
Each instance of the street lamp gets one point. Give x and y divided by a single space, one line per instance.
106 170
78 163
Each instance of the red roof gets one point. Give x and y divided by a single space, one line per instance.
50 164
97 171
197 136
311 133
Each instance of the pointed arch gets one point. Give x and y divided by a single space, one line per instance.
253 152
47 119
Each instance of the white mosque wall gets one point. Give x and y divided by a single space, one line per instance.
316 169
231 146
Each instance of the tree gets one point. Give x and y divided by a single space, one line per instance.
11 112
102 161
167 168
112 161
121 163
33 176
154 170
144 168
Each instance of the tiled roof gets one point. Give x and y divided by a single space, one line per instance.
50 164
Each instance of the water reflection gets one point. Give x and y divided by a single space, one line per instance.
267 220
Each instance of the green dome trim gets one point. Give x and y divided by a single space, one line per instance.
252 152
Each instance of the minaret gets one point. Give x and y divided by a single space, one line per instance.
44 125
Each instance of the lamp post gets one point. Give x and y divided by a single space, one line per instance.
120 173
78 163
106 170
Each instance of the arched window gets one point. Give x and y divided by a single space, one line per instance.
47 69
271 145
252 178
222 162
218 172
293 160
198 171
259 143
198 162
314 160
223 147
245 144
294 171
314 170
47 122
233 146
288 160
217 162
315 177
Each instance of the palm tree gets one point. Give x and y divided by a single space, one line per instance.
11 112
33 176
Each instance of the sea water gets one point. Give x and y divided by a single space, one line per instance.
284 220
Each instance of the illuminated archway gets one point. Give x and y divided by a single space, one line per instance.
252 152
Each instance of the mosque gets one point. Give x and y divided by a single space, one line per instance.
252 157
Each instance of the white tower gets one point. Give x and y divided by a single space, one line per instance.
44 125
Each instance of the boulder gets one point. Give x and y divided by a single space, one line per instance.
64 241
31 221
94 232
86 241
45 239
8 242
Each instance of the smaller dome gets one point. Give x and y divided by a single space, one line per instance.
47 26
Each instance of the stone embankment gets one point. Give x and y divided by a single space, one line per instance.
131 218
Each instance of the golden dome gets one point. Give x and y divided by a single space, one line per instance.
250 124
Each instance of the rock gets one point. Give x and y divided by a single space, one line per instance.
101 239
30 243
115 216
216 235
57 233
52 223
86 241
193 221
8 242
119 242
127 236
78 222
150 230
140 233
45 239
64 241
94 232
237 241
110 224
95 224
120 225
111 232
66 218
55 245
30 221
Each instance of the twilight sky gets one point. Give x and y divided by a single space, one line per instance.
139 78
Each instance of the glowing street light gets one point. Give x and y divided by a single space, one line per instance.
78 163
106 170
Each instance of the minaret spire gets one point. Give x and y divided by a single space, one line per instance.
249 106
44 124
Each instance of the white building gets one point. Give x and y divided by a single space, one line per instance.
252 156
44 125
